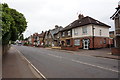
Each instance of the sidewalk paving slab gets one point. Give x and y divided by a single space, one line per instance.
14 66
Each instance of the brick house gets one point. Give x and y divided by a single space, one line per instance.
86 33
49 38
35 39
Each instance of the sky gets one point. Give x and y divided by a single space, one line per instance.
43 15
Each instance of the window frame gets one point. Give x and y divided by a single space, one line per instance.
76 42
63 34
100 32
75 32
69 33
84 30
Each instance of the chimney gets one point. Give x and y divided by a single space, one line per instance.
56 26
42 31
80 16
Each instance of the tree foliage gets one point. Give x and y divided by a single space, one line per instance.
13 24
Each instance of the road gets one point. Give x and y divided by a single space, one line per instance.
62 64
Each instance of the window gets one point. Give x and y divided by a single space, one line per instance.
75 32
84 30
68 41
69 33
104 40
63 34
100 42
77 42
100 32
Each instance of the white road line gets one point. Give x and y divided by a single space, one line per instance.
86 63
95 65
54 56
32 65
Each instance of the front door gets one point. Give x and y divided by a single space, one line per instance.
85 43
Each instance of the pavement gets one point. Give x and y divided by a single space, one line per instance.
14 66
103 53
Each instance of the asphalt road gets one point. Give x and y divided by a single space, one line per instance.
62 64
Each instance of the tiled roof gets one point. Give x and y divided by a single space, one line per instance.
41 35
84 21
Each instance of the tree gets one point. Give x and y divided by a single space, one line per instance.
13 24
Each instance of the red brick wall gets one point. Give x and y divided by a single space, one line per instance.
98 42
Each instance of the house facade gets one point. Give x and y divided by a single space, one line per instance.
85 33
66 37
49 37
36 39
116 18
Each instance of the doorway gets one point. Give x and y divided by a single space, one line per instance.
85 43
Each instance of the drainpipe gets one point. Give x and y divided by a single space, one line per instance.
93 35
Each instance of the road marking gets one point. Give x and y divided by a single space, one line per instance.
95 65
86 63
32 65
54 56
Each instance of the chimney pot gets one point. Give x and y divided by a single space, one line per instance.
80 16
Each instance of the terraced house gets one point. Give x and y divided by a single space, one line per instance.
86 33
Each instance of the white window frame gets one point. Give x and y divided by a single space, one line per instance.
63 34
69 33
77 42
84 30
75 32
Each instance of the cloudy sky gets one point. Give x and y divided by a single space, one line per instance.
43 15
